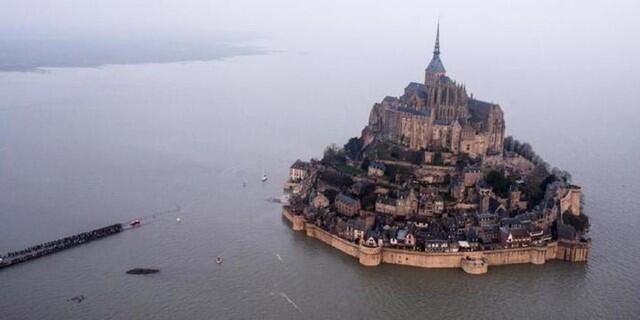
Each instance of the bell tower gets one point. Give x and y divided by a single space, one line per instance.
435 69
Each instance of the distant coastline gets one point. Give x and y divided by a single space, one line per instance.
35 54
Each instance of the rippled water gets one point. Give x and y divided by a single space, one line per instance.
83 148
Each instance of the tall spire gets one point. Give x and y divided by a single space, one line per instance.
435 67
436 50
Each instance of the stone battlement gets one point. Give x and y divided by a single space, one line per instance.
373 256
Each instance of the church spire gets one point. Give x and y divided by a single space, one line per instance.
436 50
435 68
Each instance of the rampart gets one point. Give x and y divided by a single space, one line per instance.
373 256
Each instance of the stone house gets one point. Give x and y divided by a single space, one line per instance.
407 205
471 175
410 240
436 245
298 171
518 237
486 219
483 189
371 242
431 205
489 234
386 205
458 189
355 229
346 205
539 235
376 169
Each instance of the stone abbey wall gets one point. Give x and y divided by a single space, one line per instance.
573 252
332 240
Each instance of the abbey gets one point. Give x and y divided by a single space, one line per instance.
438 115
432 182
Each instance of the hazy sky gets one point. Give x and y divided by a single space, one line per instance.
597 21
574 41
598 31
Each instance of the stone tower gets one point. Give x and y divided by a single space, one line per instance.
435 69
446 98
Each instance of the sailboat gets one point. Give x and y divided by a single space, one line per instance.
264 175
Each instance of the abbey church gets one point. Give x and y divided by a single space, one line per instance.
438 115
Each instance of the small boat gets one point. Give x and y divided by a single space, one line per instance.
219 260
134 223
264 177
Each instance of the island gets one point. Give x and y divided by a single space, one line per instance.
433 182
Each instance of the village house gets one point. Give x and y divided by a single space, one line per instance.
356 229
298 171
486 219
436 245
489 234
386 205
518 237
458 189
407 204
346 205
376 169
471 176
371 242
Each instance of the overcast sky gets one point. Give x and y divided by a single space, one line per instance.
610 25
545 35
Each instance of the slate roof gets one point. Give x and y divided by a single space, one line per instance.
299 164
415 86
417 112
402 234
345 199
386 200
479 109
442 122
417 89
436 66
378 165
471 169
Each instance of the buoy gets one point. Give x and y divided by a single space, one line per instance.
178 220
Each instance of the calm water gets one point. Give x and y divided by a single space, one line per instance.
83 148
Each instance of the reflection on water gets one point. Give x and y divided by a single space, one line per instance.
83 148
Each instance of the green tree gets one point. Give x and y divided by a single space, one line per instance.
333 155
498 182
580 223
353 147
365 164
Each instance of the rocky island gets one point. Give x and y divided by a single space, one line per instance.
433 182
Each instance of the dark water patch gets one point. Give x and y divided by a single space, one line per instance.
143 271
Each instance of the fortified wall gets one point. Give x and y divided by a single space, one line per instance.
373 256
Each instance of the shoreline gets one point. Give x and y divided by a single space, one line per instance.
473 262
